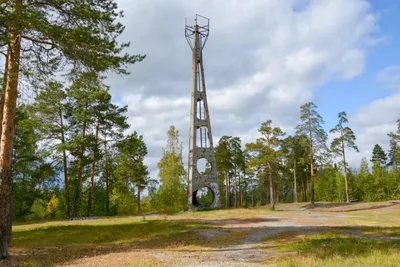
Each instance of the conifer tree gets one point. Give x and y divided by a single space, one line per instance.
346 139
379 156
295 150
394 149
266 153
50 109
223 158
109 122
312 128
45 34
131 170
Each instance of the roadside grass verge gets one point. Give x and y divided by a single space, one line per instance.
338 249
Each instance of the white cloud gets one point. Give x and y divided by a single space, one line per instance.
262 61
390 77
372 123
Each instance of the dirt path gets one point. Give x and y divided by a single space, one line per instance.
251 246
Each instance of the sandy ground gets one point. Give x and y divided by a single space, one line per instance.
253 248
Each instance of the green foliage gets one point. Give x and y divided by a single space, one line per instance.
130 169
266 155
329 185
394 147
172 194
231 170
123 202
311 127
38 210
378 155
33 177
346 138
83 35
52 207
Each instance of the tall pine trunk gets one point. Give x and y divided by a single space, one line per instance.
107 181
346 178
236 191
92 172
80 169
294 182
303 188
240 194
226 190
311 166
3 92
138 197
66 183
271 189
8 132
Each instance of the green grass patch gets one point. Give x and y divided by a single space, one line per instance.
59 235
335 249
51 243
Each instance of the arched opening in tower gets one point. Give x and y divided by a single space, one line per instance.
204 197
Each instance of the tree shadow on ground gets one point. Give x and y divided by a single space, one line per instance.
336 244
61 244
346 207
236 221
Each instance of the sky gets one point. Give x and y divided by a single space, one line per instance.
263 60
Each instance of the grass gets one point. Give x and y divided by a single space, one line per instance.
51 243
375 217
361 238
337 249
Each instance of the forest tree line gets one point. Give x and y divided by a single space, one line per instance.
38 41
304 167
67 153
72 158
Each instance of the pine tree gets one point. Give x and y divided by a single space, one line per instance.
110 122
131 169
295 150
394 149
265 153
378 156
58 31
50 110
345 140
312 128
33 174
87 98
238 166
223 158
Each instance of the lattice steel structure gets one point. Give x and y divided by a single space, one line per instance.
200 136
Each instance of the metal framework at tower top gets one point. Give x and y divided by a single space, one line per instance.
200 136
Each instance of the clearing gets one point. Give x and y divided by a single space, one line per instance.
355 234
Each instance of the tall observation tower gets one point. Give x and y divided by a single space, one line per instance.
200 140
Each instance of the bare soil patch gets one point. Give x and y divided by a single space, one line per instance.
231 238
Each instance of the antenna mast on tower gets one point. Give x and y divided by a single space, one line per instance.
200 136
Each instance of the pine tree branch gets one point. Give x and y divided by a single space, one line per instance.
37 42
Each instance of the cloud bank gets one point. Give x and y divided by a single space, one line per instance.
263 59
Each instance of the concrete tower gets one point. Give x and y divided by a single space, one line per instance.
200 140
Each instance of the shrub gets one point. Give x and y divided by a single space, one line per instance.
52 207
38 210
